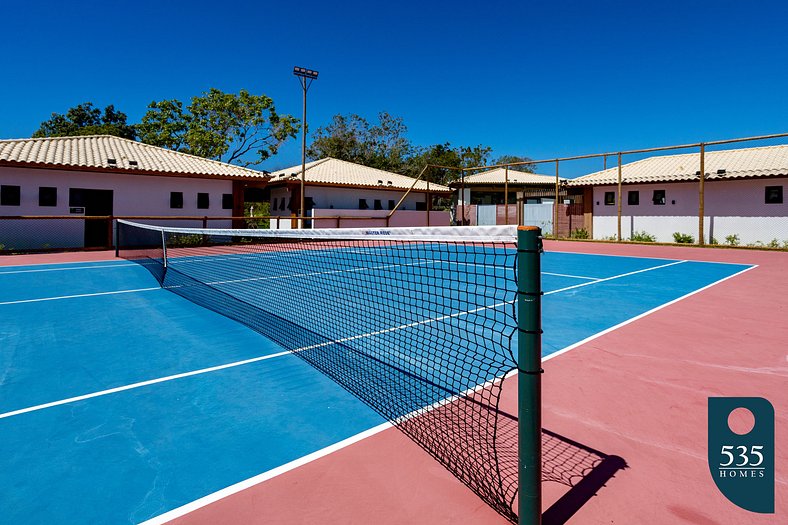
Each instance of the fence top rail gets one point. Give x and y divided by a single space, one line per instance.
191 217
631 151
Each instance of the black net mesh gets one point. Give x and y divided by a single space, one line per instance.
423 331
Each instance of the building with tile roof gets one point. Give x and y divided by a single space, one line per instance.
743 196
490 187
101 175
335 187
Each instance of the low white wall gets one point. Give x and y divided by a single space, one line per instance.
344 198
732 207
400 218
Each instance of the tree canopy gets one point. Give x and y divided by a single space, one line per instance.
240 128
87 119
384 145
506 159
355 139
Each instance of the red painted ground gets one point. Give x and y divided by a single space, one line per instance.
55 258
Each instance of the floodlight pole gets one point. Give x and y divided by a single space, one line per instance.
305 78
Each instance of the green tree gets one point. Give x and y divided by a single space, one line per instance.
240 128
87 119
446 155
383 145
165 124
506 159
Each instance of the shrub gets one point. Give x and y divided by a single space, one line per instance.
579 233
683 238
642 237
732 240
188 241
785 245
774 243
714 241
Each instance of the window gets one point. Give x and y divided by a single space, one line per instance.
9 195
47 196
392 204
610 198
282 204
362 204
421 206
227 201
378 204
633 198
659 197
774 194
274 203
203 201
309 203
176 199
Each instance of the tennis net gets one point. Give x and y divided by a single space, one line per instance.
419 323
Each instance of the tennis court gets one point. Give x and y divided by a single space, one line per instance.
122 400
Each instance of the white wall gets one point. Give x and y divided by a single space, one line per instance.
731 207
133 195
325 197
406 218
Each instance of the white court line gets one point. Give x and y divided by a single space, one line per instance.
265 476
571 276
645 257
310 347
644 314
69 268
613 277
139 385
21 301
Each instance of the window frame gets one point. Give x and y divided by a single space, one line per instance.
206 205
610 198
636 195
10 195
227 198
362 204
655 199
176 198
778 199
377 204
47 200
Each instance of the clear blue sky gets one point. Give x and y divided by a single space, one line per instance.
540 79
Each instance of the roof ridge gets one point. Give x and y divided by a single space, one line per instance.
137 143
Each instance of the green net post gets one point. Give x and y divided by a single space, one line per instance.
529 378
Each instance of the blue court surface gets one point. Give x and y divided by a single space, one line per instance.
120 400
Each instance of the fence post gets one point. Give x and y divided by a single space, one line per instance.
555 204
618 198
205 222
701 194
529 374
506 193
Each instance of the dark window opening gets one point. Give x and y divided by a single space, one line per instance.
378 204
274 203
362 204
10 195
610 198
659 197
176 199
633 198
203 201
421 206
774 194
227 201
392 204
47 196
282 204
309 203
